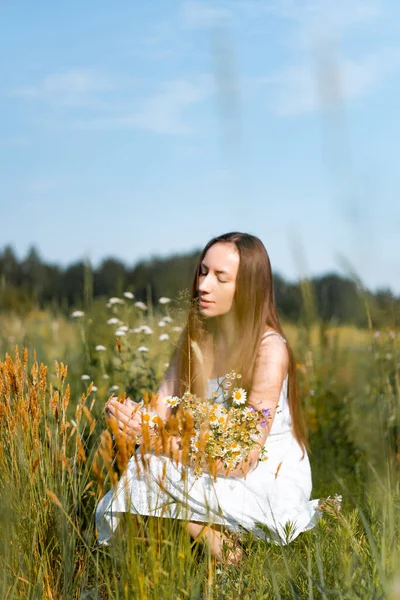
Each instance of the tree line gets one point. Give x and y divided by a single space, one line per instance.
32 283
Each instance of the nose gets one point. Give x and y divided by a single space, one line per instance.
205 284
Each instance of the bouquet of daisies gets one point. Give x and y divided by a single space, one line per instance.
219 432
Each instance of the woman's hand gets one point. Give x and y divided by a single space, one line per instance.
125 415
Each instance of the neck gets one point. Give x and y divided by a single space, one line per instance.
226 330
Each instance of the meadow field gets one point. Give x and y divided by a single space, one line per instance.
56 460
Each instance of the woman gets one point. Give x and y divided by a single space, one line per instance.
232 324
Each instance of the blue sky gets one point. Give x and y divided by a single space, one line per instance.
138 128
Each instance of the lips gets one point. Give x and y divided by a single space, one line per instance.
204 302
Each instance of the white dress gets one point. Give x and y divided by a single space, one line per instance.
273 501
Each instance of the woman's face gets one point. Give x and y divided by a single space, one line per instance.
217 279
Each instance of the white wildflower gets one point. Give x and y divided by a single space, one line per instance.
167 319
163 337
77 314
161 323
142 349
140 305
136 330
100 348
115 300
239 396
105 376
166 365
150 417
172 401
114 388
120 332
113 321
164 300
177 328
123 328
94 388
85 377
129 295
146 329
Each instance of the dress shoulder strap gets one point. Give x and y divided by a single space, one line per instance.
268 333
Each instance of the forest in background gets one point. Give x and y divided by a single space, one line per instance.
31 283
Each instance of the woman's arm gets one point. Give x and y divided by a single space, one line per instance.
270 370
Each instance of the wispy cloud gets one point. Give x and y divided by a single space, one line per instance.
328 82
114 103
75 87
164 112
198 15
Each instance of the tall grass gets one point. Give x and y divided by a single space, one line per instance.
56 461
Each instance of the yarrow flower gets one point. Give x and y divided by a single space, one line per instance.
161 323
120 332
115 300
164 300
167 319
145 329
85 377
113 321
163 337
100 348
142 349
140 305
77 314
239 396
129 295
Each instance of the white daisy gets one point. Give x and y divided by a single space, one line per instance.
150 417
142 349
77 314
129 295
172 401
239 396
164 300
163 337
100 348
140 305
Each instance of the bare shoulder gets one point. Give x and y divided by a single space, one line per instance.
273 348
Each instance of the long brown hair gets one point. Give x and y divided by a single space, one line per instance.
254 310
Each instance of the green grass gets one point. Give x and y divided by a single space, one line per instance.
349 382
